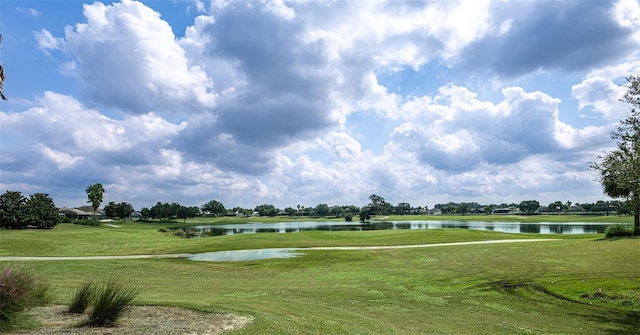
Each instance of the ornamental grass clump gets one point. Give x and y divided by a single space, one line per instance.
20 289
110 301
81 298
618 230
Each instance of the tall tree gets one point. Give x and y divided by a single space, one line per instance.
529 206
378 206
188 212
619 170
124 210
2 77
488 209
111 210
214 208
95 193
556 206
322 209
266 210
463 208
403 208
41 211
13 210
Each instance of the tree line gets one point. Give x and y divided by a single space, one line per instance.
38 210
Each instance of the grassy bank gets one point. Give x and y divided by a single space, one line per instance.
584 285
136 238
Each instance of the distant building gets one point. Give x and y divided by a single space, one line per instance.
501 210
135 216
81 213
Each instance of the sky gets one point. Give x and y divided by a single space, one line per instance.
306 102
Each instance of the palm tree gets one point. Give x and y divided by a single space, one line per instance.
94 193
2 77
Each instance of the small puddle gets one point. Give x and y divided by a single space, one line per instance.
245 255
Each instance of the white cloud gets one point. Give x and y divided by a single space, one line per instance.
600 89
68 127
342 146
47 42
279 8
63 160
29 11
627 13
455 131
129 57
601 94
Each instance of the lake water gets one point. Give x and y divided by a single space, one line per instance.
244 255
505 227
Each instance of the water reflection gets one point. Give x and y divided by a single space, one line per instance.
506 227
244 255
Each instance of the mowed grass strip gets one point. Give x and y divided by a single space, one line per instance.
521 288
136 239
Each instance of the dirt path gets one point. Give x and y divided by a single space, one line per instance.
84 258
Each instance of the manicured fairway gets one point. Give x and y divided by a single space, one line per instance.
521 288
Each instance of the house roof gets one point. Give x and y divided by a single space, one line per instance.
83 210
68 210
90 209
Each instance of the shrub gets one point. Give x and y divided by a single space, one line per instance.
87 222
348 217
109 302
618 230
81 298
19 289
187 232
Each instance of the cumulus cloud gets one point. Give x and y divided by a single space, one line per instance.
281 91
130 59
455 131
601 90
544 36
67 132
47 42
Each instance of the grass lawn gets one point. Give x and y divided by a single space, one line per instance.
580 285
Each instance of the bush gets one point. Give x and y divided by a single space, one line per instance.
348 217
618 230
20 289
187 232
81 298
87 222
109 302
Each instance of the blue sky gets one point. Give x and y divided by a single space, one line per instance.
306 102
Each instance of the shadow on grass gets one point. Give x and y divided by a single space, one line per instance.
618 238
612 320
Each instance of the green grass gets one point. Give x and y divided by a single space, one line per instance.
522 288
135 238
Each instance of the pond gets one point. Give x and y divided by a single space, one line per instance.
244 255
505 227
